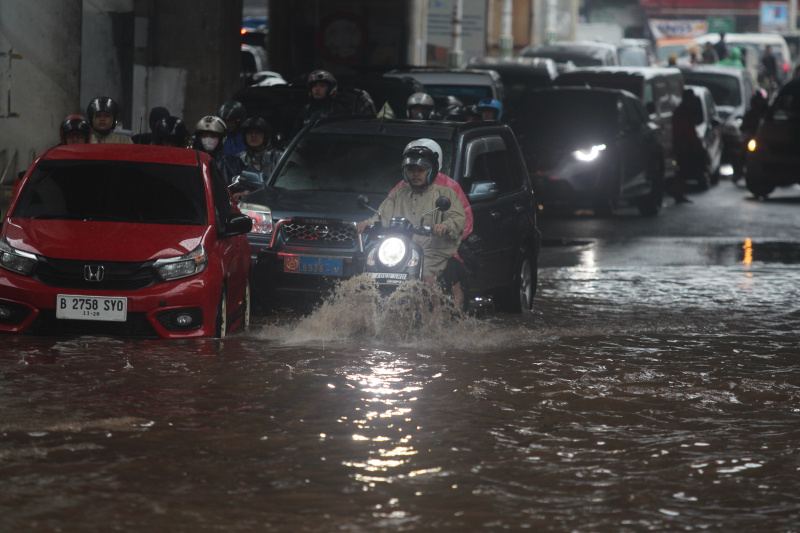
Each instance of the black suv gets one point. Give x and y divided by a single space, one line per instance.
304 237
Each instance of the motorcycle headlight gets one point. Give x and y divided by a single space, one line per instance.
261 216
391 251
16 260
182 267
589 154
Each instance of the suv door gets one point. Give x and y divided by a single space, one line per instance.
495 158
634 133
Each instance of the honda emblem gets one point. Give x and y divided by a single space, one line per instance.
93 272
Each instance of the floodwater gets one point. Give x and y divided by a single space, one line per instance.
633 398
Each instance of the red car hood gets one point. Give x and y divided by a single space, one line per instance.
102 241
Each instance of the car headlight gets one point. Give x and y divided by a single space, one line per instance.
589 154
16 260
182 267
391 251
261 216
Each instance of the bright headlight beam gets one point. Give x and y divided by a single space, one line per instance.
391 251
590 154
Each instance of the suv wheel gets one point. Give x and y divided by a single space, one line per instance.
759 190
519 295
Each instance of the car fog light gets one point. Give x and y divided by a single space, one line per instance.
6 312
183 320
391 251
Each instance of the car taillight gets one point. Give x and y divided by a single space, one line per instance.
261 217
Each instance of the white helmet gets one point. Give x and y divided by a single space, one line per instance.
429 144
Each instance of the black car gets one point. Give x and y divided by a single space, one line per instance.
569 54
304 235
521 77
592 147
731 89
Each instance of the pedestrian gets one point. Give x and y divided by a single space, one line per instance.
75 130
768 70
103 113
322 88
156 114
689 152
709 55
233 113
721 47
209 137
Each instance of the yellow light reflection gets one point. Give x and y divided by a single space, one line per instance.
748 252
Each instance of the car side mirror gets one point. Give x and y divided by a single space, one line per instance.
249 180
236 224
483 191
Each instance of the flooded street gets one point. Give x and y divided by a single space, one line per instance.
653 388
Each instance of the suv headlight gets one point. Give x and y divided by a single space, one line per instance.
590 154
182 267
16 260
261 216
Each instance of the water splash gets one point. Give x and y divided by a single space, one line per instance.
413 315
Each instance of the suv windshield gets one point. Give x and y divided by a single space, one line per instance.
120 191
364 164
724 89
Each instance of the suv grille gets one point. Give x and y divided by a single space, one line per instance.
334 233
118 276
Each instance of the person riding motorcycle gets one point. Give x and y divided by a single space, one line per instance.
456 272
490 109
420 106
75 130
233 113
418 195
260 155
103 113
209 137
170 131
322 88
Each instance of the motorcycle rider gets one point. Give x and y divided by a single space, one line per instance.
420 106
75 130
170 131
156 114
233 113
417 196
103 113
490 109
322 87
209 137
260 155
456 272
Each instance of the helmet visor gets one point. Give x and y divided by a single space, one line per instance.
417 160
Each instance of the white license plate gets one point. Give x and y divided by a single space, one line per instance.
91 308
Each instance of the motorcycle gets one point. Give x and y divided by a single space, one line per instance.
391 256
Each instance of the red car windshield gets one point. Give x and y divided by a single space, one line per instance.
119 191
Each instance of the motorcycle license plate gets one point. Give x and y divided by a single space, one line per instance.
328 266
388 278
91 308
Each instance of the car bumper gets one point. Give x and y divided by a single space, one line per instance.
150 311
573 188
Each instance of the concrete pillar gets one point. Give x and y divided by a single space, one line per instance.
39 77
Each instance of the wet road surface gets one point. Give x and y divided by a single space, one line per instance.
653 388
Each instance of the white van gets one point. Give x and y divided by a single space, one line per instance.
756 41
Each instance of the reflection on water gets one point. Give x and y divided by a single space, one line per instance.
630 399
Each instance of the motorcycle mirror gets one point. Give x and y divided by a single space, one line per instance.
443 203
362 201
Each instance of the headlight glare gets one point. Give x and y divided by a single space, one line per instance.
16 260
182 267
391 251
590 154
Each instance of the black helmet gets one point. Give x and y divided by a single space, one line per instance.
232 110
257 123
74 123
423 100
424 157
170 131
103 103
323 75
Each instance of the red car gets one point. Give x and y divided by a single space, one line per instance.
128 240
